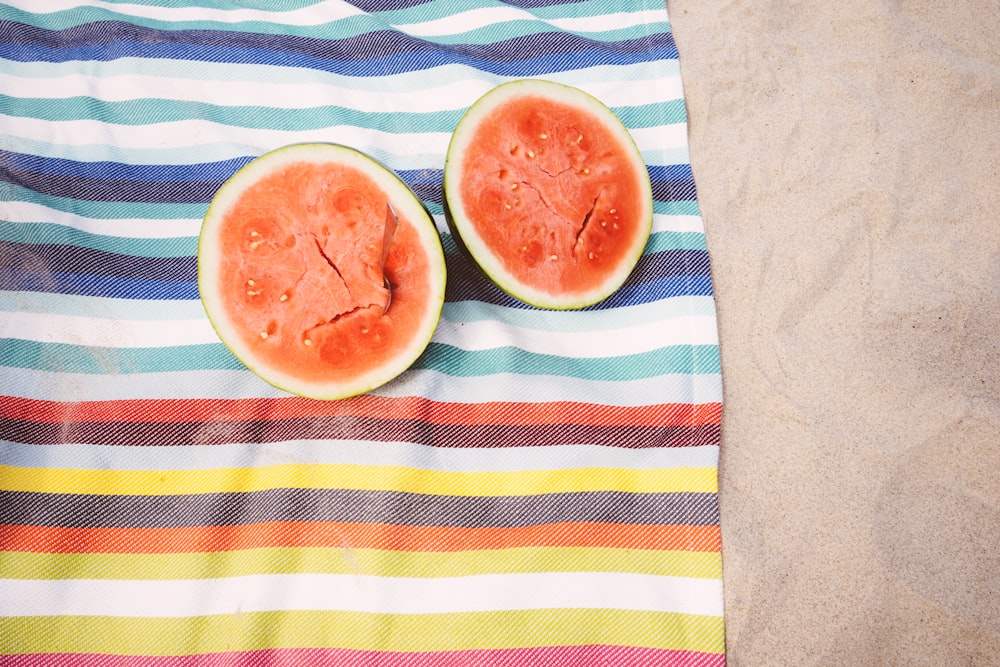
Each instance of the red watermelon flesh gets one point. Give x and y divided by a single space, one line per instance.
549 194
291 276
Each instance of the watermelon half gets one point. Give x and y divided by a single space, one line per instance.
548 193
290 270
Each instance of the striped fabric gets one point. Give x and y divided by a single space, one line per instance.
539 489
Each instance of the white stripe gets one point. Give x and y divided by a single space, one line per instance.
101 332
360 593
181 134
234 93
604 344
353 452
454 95
457 24
660 137
624 78
144 228
678 223
156 228
317 14
472 336
604 22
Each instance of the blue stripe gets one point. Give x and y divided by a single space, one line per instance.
66 259
385 52
156 173
465 283
354 48
429 191
102 286
425 183
627 295
670 172
108 190
63 259
222 169
395 64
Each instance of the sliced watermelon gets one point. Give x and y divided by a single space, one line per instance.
547 192
293 278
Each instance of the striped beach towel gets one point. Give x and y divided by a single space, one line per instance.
540 488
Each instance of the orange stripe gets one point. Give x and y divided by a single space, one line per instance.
222 410
47 539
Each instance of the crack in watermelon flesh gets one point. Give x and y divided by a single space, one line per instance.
303 253
550 196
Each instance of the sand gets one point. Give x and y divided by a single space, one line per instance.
847 158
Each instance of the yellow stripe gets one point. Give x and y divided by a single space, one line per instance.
249 631
370 478
376 562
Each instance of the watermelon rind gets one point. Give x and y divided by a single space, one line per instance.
463 229
407 205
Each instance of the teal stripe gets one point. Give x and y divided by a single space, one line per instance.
41 232
350 452
666 156
183 155
239 384
454 361
150 110
652 115
676 241
689 207
447 359
105 210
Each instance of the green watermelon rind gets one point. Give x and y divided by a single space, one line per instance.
407 204
464 232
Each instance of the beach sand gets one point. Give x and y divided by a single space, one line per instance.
847 159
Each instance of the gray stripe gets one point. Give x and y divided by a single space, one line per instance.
353 506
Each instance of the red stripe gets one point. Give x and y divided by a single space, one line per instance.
578 656
225 410
51 539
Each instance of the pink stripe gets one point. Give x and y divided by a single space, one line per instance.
578 656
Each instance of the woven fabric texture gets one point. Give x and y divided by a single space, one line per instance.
540 488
